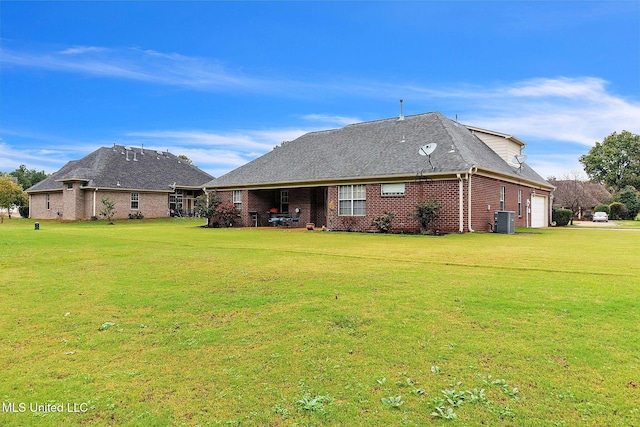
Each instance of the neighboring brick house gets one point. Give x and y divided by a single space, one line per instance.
154 183
343 178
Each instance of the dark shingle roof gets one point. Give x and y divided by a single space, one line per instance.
383 148
144 170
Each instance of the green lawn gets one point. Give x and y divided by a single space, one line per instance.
162 322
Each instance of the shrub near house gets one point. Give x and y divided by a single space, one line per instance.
562 217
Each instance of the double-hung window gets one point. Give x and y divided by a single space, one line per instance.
501 198
237 199
352 200
135 201
519 202
48 201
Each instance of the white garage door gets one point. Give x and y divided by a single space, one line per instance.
538 212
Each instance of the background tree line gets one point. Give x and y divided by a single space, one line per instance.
615 164
12 186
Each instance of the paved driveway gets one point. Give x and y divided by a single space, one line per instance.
596 224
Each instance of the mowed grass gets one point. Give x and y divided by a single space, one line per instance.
165 323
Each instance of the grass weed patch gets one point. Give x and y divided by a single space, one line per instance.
161 322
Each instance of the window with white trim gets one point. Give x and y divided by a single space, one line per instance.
502 198
519 202
395 189
135 201
48 202
237 199
352 200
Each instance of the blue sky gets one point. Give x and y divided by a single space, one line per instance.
224 82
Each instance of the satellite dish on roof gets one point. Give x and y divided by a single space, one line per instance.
427 149
520 159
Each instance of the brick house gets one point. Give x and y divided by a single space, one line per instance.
343 178
154 183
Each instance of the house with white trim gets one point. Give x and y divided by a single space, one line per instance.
343 178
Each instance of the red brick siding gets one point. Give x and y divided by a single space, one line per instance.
444 192
485 201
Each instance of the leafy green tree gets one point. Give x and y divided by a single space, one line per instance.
616 161
631 199
28 177
207 207
11 195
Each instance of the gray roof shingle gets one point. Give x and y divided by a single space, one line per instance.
383 148
146 169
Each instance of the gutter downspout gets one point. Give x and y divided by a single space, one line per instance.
460 204
472 170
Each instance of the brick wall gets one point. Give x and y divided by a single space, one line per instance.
73 201
445 192
152 205
485 201
38 206
77 204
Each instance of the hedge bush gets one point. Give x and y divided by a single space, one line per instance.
383 222
618 210
561 217
602 208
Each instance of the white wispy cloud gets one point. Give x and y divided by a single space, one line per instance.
544 112
577 110
135 64
243 141
78 50
331 119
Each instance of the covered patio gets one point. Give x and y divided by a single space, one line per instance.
292 207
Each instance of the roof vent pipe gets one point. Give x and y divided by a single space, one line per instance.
401 113
141 148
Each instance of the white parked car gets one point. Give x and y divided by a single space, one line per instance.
600 216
